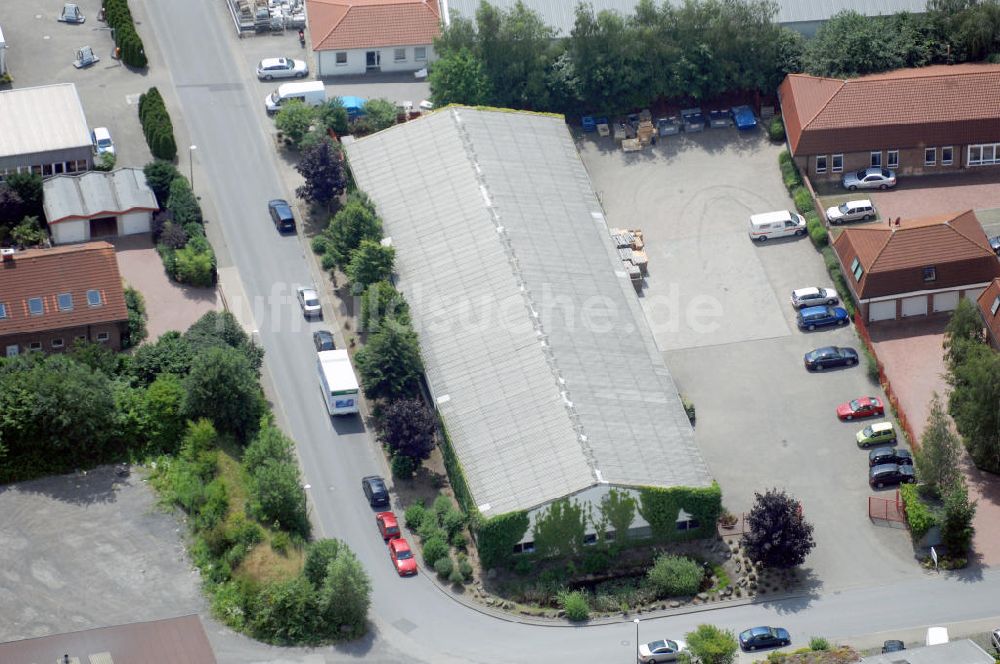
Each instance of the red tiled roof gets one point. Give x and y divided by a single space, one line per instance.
986 302
937 105
349 24
894 258
46 273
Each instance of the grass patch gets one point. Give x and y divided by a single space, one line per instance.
264 564
723 579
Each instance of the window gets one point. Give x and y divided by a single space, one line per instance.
930 274
399 55
856 269
102 336
341 58
689 524
60 167
892 158
876 159
12 350
609 535
35 345
71 167
947 155
94 297
65 301
589 539
838 163
46 169
930 156
995 306
35 306
420 53
3 310
983 155
37 170
821 164
57 343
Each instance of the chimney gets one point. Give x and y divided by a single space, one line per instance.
7 254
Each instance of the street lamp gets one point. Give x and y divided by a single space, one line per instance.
636 621
191 163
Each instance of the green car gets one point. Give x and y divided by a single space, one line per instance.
879 433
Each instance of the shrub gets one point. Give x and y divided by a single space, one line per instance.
403 467
871 366
194 267
456 577
790 175
675 576
430 529
817 231
319 245
277 496
453 521
414 516
444 566
459 540
434 549
575 605
280 542
803 200
173 235
818 643
776 130
159 175
318 558
464 567
689 409
156 125
328 262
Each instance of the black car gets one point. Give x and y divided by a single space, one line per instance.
893 645
281 215
890 474
830 356
995 244
323 340
756 638
375 491
884 455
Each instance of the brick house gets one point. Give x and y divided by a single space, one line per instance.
53 297
938 119
989 307
921 267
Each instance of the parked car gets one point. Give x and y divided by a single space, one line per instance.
764 637
281 215
375 491
893 645
813 296
995 244
664 650
309 301
869 178
830 356
877 433
861 407
890 474
743 118
862 210
693 119
269 68
812 317
402 557
387 525
101 138
323 339
883 455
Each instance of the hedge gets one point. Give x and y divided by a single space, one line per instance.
803 200
456 475
119 18
776 130
918 516
156 125
497 536
660 507
817 231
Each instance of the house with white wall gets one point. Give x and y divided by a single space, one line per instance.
98 205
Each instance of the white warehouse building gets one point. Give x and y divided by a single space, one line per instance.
98 205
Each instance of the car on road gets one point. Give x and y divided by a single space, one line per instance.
756 638
387 525
995 244
896 455
101 138
270 68
861 407
281 215
664 650
893 645
323 339
813 296
830 356
402 557
812 317
890 474
375 491
309 301
861 210
877 433
869 178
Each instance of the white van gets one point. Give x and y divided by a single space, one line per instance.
776 224
310 93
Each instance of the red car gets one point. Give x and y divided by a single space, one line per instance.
402 557
387 525
861 407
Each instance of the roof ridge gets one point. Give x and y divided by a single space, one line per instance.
978 246
885 244
826 103
892 75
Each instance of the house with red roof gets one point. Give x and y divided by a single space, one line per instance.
361 36
989 307
938 119
918 268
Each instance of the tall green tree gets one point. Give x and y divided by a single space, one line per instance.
389 365
709 644
218 329
381 113
322 167
346 595
964 327
516 49
459 78
164 398
407 427
370 263
353 224
608 65
222 386
294 120
382 301
957 530
938 456
618 509
974 404
277 496
560 529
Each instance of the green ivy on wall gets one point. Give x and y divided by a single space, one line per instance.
496 537
660 507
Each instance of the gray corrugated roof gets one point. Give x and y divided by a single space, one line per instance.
561 14
503 254
963 651
49 117
97 194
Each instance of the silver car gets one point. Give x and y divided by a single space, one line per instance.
661 651
813 296
870 178
862 210
269 68
309 301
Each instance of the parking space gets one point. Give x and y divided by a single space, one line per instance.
732 344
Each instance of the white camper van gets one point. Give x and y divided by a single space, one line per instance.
776 224
310 93
337 380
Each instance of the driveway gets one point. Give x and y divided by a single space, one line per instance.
719 307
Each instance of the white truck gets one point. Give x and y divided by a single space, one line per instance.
338 382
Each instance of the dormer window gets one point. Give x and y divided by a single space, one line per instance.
94 297
930 274
856 269
65 301
35 306
3 310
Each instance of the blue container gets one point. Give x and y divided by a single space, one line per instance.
588 123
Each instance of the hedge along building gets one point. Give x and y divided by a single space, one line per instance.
536 350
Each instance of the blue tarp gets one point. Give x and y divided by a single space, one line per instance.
354 105
743 117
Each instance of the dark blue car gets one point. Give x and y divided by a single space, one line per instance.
756 638
812 317
743 118
830 356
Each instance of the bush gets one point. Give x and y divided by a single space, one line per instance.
456 577
459 540
817 231
280 542
444 566
675 576
414 516
328 262
803 200
464 567
403 467
156 125
818 643
173 235
790 175
159 175
918 516
434 549
453 521
318 558
319 245
277 496
776 130
871 366
575 605
194 267
689 409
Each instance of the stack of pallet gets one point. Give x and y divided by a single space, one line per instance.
630 247
645 130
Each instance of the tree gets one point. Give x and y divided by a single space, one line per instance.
318 558
370 262
216 329
458 78
516 49
610 68
618 510
956 522
170 354
333 115
710 645
269 444
381 301
11 206
675 576
974 404
346 595
353 224
285 612
136 306
407 427
164 398
381 113
323 169
560 529
938 456
225 373
159 175
28 233
965 327
182 203
389 364
278 496
294 120
28 187
778 536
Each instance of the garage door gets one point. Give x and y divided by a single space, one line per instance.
946 301
882 311
915 306
973 293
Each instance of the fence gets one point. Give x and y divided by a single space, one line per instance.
886 509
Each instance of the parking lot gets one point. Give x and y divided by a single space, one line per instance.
719 307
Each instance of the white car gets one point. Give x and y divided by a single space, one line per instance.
869 178
661 651
309 301
813 297
269 68
102 141
851 211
